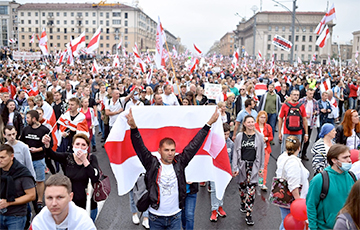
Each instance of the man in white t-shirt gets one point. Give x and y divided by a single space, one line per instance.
60 212
169 97
115 106
165 177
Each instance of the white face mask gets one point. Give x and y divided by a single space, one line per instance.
78 149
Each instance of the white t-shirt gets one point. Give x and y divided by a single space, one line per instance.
353 141
309 110
11 119
63 225
110 105
170 99
169 192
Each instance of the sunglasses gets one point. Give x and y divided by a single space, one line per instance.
291 140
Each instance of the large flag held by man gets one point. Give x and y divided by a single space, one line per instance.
43 43
211 163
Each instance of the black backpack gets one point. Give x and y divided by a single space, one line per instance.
326 183
294 120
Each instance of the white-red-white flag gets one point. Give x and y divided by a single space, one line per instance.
77 44
259 55
174 52
32 40
43 43
356 56
211 162
95 67
313 57
149 75
246 54
94 42
299 60
124 52
272 68
193 65
159 49
321 41
49 115
116 62
11 41
197 49
141 64
330 15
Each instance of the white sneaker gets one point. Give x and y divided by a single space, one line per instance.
135 219
145 223
264 188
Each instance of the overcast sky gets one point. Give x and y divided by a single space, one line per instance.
204 21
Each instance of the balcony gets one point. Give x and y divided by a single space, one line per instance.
49 24
79 16
79 25
50 16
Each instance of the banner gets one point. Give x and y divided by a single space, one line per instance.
282 43
212 90
28 56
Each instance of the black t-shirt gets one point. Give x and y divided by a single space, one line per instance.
33 138
282 96
248 152
92 102
57 110
21 184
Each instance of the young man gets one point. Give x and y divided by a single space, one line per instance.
60 212
59 106
165 177
31 136
16 190
322 212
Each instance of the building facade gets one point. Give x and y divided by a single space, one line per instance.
215 48
65 21
8 23
227 43
346 51
355 45
270 23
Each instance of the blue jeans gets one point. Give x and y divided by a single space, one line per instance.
133 208
165 222
101 125
188 213
284 212
93 214
352 102
284 140
215 202
12 222
93 143
39 167
272 121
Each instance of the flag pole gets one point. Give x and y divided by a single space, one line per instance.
172 66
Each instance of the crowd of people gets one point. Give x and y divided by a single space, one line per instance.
50 116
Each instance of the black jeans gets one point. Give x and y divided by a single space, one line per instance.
306 144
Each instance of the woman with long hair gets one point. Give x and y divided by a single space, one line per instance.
90 118
348 132
225 116
149 93
349 215
190 95
266 130
248 164
11 116
49 97
200 98
291 167
250 90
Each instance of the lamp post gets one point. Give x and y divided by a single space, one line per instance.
292 27
254 9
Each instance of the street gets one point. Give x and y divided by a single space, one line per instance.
116 211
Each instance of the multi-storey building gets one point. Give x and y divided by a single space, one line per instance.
215 48
8 23
269 23
227 43
64 21
355 45
345 48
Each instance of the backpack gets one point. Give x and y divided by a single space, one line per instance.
326 183
141 194
294 120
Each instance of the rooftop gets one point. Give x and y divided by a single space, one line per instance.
70 6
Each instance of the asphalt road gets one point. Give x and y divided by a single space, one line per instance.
116 211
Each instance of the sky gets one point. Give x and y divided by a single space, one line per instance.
204 21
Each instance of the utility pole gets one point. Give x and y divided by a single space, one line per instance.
293 33
254 9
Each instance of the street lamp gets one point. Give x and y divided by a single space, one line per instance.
254 9
292 26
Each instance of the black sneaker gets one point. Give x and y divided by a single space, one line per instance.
242 208
249 220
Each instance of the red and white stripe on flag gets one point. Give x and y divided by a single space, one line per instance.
211 163
321 41
197 49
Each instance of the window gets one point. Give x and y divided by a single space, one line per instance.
23 44
72 14
289 37
116 14
282 57
43 22
297 38
116 22
79 14
304 29
269 37
36 22
65 14
304 38
101 14
101 22
22 22
29 29
51 14
22 36
268 56
30 37
36 14
310 48
107 45
65 22
297 29
58 37
283 28
107 37
276 28
22 29
107 30
43 14
107 23
22 14
126 23
94 30
51 37
126 45
107 14
36 30
86 14
316 48
126 38
65 37
126 15
94 22
86 22
29 21
290 28
269 28
57 22
94 14
309 57
126 31
303 48
101 45
87 30
275 48
29 14
58 44
72 22
296 47
269 47
87 37
101 37
310 38
65 31
57 14
58 30
51 30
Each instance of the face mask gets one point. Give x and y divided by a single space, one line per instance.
345 166
78 149
136 97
